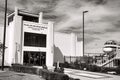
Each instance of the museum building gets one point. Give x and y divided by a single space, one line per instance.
29 39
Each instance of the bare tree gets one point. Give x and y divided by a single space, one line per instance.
1 48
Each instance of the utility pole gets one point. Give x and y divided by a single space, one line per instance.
4 35
83 33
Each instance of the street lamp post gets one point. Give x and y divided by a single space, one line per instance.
83 34
3 54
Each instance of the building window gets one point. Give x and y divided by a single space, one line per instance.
34 39
29 18
34 58
10 19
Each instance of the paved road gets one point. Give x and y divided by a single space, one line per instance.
85 75
8 75
78 74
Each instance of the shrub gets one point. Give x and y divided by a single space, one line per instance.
60 70
44 67
76 63
46 74
53 75
74 79
66 65
118 70
83 65
72 65
93 68
107 69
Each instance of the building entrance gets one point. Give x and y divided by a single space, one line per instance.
34 58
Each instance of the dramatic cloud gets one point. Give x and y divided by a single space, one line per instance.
98 19
101 21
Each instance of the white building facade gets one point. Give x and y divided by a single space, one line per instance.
29 40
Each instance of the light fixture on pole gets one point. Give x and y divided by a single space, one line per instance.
4 36
83 33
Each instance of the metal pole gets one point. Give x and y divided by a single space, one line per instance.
83 34
4 36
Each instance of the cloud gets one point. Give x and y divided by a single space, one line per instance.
97 44
33 6
101 20
72 13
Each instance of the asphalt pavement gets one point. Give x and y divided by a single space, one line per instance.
87 75
77 74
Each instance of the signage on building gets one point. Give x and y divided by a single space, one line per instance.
34 27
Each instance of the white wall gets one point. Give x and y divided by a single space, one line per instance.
64 43
79 48
10 39
73 44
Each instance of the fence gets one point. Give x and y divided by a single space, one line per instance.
71 59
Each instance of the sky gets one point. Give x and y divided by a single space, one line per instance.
102 22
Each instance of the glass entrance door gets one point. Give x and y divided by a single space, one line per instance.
34 58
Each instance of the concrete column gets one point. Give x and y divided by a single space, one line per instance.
50 45
40 17
16 11
11 45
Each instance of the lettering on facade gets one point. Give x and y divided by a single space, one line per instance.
36 27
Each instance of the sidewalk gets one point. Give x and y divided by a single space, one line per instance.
9 75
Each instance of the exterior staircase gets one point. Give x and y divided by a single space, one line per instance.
105 63
108 61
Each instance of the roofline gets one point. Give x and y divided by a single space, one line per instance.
27 13
9 15
24 13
